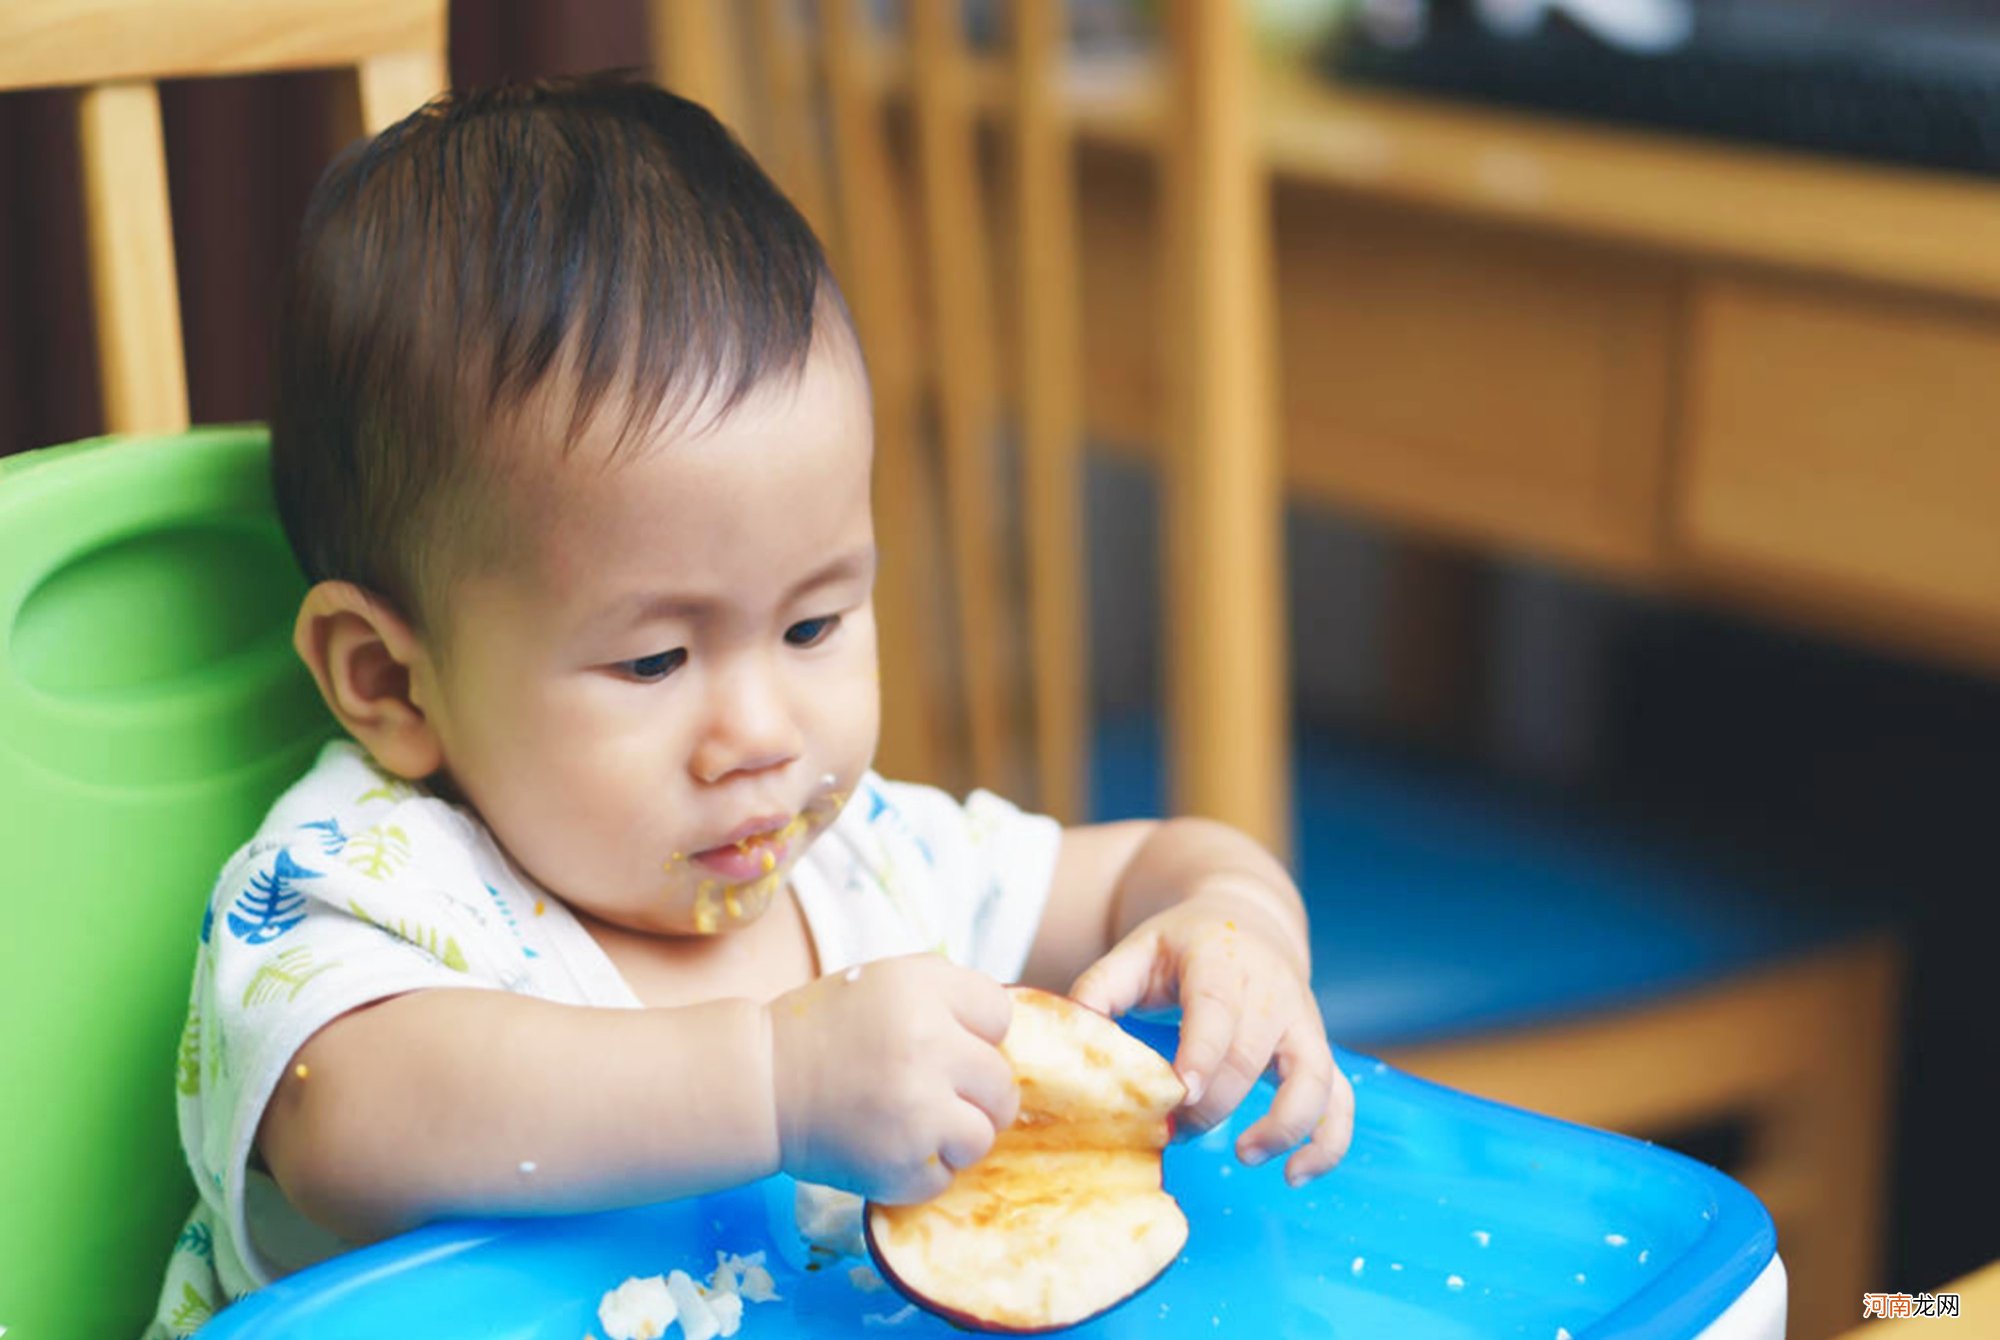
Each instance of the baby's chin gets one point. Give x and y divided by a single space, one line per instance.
718 907
678 923
706 909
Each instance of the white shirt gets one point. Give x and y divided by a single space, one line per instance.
360 886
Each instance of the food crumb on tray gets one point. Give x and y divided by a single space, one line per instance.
644 1307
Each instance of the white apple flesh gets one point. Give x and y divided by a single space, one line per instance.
1065 1217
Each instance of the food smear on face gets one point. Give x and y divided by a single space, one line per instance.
751 868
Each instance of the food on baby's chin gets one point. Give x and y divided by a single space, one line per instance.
643 1308
1065 1217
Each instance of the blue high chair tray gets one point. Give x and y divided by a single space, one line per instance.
1451 1218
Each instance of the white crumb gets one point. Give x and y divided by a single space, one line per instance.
698 1320
638 1309
830 1220
758 1286
896 1318
865 1279
644 1308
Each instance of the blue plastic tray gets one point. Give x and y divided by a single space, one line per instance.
1451 1218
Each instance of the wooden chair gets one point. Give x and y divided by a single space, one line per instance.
92 1218
899 196
114 52
1796 1051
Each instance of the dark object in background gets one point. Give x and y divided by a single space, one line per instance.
1907 81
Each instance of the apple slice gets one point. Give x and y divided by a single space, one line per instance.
1065 1217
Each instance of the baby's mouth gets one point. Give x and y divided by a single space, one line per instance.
747 869
752 857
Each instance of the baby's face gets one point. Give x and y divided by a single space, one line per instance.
673 689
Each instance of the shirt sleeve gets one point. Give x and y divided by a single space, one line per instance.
304 925
989 867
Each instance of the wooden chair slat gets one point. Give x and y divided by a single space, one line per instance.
397 83
60 43
1224 504
961 308
1051 394
790 130
142 367
695 54
873 255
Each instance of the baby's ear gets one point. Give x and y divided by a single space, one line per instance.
365 658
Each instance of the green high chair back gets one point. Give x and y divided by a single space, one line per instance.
151 709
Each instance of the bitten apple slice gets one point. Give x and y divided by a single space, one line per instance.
1065 1217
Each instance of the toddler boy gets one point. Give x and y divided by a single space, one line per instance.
572 439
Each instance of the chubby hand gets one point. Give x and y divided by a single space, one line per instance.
1245 1005
889 1078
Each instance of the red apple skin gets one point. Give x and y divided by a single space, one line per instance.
970 1323
967 1322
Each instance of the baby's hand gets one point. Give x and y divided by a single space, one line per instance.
1245 1003
890 1077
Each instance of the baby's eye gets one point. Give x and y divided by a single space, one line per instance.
654 668
811 632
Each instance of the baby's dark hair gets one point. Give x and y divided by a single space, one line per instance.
596 237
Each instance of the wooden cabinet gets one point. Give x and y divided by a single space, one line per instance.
1493 384
1764 377
1768 379
1847 438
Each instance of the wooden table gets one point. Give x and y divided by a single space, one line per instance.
1750 375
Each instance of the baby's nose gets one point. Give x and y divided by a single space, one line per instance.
751 730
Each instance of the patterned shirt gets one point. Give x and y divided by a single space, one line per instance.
360 886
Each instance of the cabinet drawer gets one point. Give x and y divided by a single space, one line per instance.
1512 388
1845 442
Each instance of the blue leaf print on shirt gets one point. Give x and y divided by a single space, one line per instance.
507 914
207 922
879 805
270 906
331 839
196 1238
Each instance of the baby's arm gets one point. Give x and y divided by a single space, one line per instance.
466 1102
471 1102
1193 912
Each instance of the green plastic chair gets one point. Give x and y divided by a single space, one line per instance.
151 709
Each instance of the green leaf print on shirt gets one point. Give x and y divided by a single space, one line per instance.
193 1312
284 975
190 1054
378 852
389 786
443 948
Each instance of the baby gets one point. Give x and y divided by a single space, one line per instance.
572 439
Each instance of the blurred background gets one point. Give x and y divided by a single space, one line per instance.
1612 391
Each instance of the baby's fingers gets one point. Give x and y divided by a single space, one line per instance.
984 1079
1211 995
1330 1137
1306 1077
1121 980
